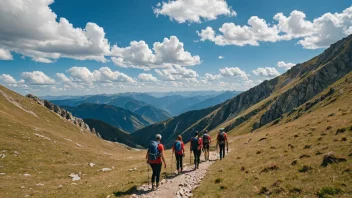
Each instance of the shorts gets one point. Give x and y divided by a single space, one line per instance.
206 146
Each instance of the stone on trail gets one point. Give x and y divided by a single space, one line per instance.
91 164
106 169
27 175
2 173
75 177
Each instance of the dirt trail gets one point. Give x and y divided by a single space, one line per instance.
180 185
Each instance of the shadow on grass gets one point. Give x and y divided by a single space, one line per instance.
132 190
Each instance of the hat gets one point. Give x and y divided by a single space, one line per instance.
158 136
206 131
221 129
196 133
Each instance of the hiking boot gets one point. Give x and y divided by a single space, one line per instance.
153 187
157 186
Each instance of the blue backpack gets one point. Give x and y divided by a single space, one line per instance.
178 147
195 143
153 151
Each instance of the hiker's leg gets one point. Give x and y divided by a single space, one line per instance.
177 162
195 157
181 163
221 148
158 170
153 174
223 151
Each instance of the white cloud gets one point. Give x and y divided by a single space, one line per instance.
63 78
147 77
233 72
266 72
319 33
31 28
37 78
5 55
221 57
176 73
210 77
287 66
194 10
232 34
139 55
7 79
104 74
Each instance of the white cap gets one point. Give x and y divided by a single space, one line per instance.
158 136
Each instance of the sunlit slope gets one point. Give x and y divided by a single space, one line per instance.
285 158
38 142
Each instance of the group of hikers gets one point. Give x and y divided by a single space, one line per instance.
200 142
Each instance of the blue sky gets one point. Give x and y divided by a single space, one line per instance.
32 53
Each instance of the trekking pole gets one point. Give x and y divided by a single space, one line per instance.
148 175
172 159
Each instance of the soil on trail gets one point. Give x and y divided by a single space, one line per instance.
178 186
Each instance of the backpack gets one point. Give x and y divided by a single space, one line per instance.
221 138
195 143
178 147
205 139
153 151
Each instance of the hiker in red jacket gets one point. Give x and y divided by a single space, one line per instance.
221 140
179 150
196 148
206 145
155 157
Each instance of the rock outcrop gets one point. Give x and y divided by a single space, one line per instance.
61 112
332 65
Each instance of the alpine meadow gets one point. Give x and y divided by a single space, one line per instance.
175 99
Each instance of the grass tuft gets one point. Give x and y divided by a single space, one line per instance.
329 191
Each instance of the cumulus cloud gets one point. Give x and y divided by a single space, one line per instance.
175 73
104 75
194 10
318 33
37 78
211 77
284 65
7 79
31 28
233 72
63 78
146 77
5 55
221 57
165 54
232 34
266 72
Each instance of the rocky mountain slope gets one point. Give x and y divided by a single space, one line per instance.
307 153
270 99
115 116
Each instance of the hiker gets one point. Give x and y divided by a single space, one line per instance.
221 140
206 145
179 150
155 157
196 148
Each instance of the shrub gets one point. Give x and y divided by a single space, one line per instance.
304 169
329 191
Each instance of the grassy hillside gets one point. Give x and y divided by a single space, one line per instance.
36 141
285 158
115 116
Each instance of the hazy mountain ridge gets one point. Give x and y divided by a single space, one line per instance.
115 116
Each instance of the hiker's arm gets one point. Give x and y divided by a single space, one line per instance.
163 158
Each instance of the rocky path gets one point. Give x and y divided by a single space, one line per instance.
179 186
